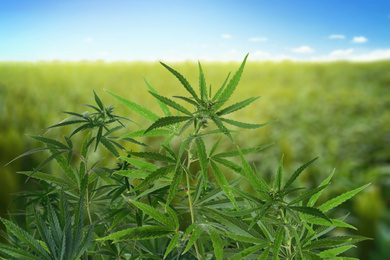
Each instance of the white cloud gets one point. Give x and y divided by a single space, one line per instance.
351 55
103 53
89 39
258 39
260 55
373 55
226 36
265 56
359 39
336 36
283 57
338 53
303 50
231 55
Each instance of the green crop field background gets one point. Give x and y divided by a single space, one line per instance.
338 111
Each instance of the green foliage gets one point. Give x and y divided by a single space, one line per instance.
177 203
60 236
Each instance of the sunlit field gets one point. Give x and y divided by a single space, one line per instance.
338 111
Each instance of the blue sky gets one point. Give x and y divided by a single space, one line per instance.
307 30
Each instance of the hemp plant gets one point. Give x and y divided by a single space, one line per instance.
175 203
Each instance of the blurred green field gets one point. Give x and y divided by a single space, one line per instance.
339 111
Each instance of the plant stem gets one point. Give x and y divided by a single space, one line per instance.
288 246
190 202
89 212
189 198
189 161
192 211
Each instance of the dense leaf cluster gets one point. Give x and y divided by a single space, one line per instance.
175 203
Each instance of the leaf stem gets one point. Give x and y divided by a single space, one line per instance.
288 232
189 198
189 161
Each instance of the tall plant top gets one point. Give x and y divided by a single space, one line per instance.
174 203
